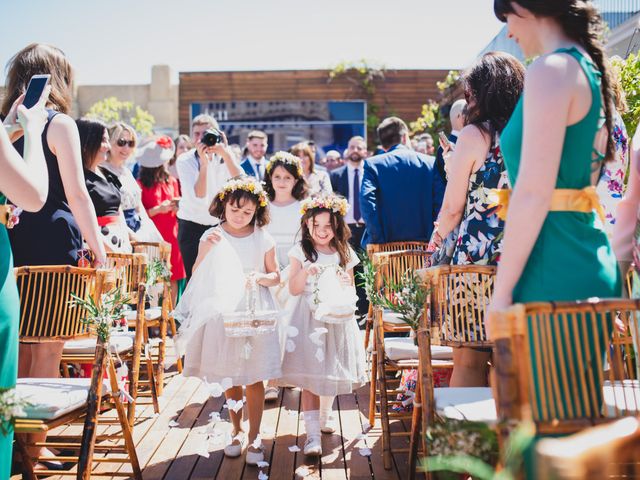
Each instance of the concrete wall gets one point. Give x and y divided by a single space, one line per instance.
625 38
160 98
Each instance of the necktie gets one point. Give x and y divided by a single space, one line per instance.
356 195
259 167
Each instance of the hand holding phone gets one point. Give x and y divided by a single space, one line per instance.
27 111
444 141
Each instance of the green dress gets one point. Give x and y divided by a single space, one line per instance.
572 258
9 320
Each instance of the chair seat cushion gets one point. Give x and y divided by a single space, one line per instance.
50 398
623 395
403 348
391 317
153 313
466 403
120 342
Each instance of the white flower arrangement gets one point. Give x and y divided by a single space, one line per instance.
328 202
11 407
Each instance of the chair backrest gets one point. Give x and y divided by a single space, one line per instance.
155 251
395 246
460 295
46 311
390 267
130 270
567 365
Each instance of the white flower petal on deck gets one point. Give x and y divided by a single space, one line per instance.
292 331
262 464
320 355
214 417
365 452
234 405
263 476
294 448
226 383
290 346
303 472
173 423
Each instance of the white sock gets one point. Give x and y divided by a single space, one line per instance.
326 406
312 423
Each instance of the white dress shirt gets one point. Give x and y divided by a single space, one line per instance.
193 208
258 166
351 171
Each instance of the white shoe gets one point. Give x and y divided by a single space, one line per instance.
271 394
235 448
329 425
254 457
313 446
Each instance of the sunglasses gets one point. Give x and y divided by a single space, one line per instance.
122 142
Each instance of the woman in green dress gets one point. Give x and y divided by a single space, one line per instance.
25 182
554 250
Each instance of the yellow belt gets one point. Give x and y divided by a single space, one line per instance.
584 200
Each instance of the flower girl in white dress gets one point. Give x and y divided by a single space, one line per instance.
236 263
323 357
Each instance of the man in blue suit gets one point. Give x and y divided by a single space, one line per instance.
255 163
401 191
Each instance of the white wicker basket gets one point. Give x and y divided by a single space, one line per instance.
253 321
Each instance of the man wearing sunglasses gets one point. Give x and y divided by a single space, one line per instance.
202 171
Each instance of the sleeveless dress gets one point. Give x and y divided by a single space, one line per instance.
9 321
324 358
572 258
50 236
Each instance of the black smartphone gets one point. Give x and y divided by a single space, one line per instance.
36 86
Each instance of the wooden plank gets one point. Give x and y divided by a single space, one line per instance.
312 464
207 468
282 460
333 460
351 422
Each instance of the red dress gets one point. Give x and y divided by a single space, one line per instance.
167 223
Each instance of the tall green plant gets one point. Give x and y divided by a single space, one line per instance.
112 110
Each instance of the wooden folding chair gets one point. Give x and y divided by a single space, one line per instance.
374 248
126 347
160 317
130 274
393 355
47 315
605 451
566 366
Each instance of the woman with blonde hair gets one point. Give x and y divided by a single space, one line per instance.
317 180
123 140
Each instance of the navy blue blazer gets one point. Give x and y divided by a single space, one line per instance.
340 181
401 196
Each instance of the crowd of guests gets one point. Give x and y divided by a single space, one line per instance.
494 192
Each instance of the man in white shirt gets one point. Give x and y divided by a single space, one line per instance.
203 171
347 181
255 163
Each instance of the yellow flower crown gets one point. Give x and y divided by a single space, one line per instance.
284 157
330 202
248 184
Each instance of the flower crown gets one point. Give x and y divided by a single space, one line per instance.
248 184
287 158
329 202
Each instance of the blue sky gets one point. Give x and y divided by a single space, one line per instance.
117 41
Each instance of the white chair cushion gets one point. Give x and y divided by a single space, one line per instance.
403 348
466 403
390 317
623 394
149 314
51 398
120 342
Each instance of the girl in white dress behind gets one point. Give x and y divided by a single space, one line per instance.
321 358
229 363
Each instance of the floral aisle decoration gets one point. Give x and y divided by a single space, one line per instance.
11 407
406 298
105 316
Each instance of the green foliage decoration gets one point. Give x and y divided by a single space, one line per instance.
105 316
628 71
111 110
431 119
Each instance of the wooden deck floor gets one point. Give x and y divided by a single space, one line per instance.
183 442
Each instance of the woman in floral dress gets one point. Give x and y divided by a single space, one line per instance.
476 169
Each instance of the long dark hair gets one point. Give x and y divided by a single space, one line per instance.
299 190
495 82
150 176
340 240
91 135
581 22
34 59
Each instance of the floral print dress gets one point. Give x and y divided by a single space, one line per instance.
481 230
611 186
